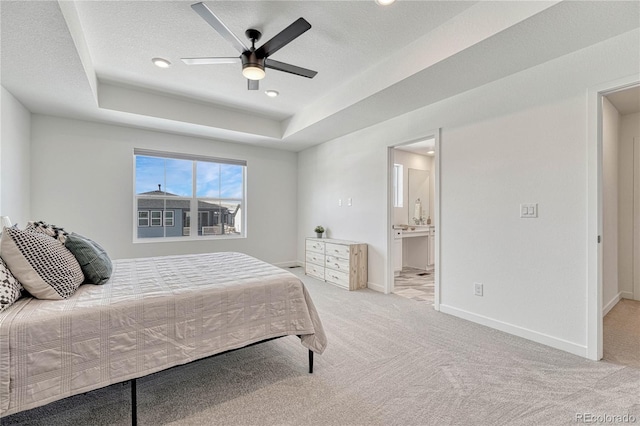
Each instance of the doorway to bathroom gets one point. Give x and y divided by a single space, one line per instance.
621 226
413 220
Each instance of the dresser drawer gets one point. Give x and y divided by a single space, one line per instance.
314 257
337 263
337 277
316 246
314 270
337 250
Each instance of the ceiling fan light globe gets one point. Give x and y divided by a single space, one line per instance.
253 73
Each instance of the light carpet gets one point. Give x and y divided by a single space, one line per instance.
621 336
390 361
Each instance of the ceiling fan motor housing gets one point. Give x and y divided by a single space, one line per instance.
250 59
254 61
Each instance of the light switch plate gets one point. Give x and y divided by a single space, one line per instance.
349 202
529 210
478 289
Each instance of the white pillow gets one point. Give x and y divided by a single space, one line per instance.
42 264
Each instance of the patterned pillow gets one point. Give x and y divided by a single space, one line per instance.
10 288
93 259
42 264
51 230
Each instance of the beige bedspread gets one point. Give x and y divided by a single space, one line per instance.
154 313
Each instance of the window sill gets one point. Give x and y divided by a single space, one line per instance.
187 239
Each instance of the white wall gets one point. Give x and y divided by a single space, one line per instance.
82 179
629 128
14 159
521 139
610 148
413 161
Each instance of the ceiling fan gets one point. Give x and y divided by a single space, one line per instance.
253 60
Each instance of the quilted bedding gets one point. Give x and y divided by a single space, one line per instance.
153 313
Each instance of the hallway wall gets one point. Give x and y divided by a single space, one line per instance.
610 147
629 128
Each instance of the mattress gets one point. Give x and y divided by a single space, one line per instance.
154 313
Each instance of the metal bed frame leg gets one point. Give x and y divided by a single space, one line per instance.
134 400
134 404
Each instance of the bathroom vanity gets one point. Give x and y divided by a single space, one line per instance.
414 247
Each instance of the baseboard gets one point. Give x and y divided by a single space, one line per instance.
611 304
626 295
525 333
375 287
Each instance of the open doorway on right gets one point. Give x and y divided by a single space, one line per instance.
621 226
413 224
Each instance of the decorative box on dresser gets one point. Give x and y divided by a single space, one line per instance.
342 263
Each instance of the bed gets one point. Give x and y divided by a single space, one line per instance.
153 314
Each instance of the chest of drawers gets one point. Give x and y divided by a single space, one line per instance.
342 263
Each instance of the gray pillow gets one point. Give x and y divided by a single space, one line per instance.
93 259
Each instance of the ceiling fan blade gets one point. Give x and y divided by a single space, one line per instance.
292 69
253 84
206 14
210 61
283 38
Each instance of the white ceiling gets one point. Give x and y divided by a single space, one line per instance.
92 60
424 147
626 101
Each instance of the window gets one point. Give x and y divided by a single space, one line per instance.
398 188
168 187
156 218
168 218
143 218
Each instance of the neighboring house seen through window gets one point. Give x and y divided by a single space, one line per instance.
168 187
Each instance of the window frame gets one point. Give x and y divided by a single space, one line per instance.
165 218
151 218
147 218
190 233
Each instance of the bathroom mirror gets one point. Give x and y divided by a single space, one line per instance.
418 206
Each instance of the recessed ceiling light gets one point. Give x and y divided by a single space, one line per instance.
385 2
431 152
161 62
271 93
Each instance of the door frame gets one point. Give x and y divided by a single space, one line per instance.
594 346
389 281
635 285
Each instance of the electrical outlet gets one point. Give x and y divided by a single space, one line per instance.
349 202
477 289
339 202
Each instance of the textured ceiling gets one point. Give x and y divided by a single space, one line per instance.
92 60
345 37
